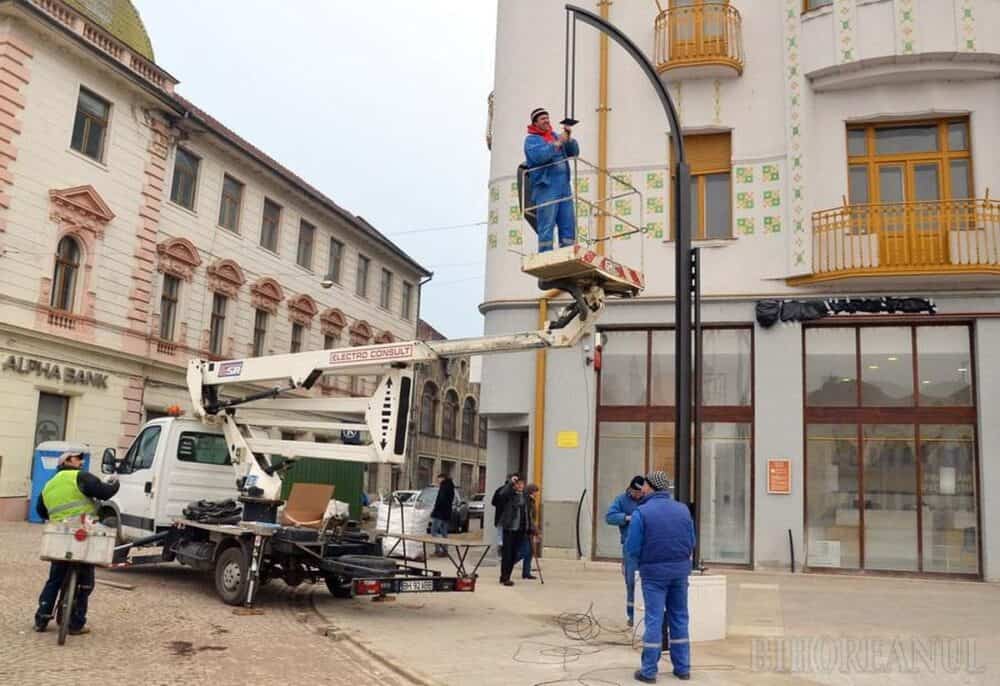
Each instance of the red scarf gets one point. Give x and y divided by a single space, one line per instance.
549 136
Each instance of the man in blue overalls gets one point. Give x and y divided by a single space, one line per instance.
661 539
546 156
620 515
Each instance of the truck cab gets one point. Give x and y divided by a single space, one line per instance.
172 461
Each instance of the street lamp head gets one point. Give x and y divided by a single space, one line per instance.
326 283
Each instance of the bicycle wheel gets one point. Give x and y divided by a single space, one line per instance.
67 596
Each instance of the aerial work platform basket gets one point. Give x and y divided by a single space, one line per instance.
582 265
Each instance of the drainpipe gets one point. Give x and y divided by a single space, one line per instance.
538 447
602 130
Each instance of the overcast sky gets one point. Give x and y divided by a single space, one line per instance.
379 104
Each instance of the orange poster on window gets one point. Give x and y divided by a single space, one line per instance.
779 477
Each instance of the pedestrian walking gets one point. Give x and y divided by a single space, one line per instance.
441 514
661 541
517 521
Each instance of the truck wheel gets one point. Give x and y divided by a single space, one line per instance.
231 573
340 587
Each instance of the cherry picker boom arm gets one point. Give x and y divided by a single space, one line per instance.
384 415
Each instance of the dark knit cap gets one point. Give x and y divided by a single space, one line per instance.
537 112
636 482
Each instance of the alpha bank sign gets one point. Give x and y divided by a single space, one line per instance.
53 372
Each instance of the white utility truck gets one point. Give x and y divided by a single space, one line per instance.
174 461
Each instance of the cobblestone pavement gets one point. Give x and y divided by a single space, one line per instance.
171 629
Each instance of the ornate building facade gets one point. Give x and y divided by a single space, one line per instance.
137 231
840 149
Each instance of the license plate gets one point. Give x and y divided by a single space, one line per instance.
414 586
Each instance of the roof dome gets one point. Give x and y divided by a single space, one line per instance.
120 19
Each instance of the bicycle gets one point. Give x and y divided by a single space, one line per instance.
66 600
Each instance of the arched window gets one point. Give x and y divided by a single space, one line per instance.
449 421
428 409
64 277
469 420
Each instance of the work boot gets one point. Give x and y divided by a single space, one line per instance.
41 626
532 577
79 632
683 677
644 679
507 582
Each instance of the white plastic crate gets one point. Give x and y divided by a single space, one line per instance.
59 543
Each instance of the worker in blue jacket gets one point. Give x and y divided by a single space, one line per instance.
549 176
620 514
661 540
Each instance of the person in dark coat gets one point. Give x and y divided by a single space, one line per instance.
661 541
517 522
527 552
72 492
441 514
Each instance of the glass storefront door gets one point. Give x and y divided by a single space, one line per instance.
636 433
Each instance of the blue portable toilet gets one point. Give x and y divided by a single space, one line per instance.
45 464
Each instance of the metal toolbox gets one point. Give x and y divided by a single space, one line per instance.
76 541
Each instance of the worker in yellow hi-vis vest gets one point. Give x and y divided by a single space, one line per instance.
70 493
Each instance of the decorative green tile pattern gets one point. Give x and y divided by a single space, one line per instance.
620 229
654 181
772 224
494 193
744 175
769 172
745 200
655 230
494 217
795 86
621 183
513 190
772 198
623 207
745 226
515 213
514 237
906 32
966 26
844 20
654 204
491 241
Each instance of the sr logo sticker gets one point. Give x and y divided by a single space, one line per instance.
230 369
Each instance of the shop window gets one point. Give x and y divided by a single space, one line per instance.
230 204
90 125
64 277
891 461
182 191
